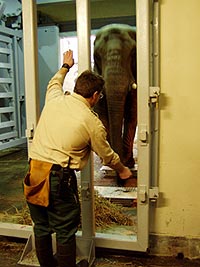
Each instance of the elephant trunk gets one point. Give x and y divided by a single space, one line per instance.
116 92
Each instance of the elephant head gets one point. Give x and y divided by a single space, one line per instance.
115 60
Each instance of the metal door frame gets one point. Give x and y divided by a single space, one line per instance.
143 80
145 93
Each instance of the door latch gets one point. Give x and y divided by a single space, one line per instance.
143 134
142 194
30 133
153 194
154 92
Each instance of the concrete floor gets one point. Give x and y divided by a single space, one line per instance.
13 167
11 251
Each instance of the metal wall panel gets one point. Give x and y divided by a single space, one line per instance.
12 101
48 57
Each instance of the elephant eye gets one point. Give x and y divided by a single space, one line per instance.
106 38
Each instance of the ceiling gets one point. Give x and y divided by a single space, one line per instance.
63 13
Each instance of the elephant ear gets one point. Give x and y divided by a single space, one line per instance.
97 63
97 57
132 34
134 63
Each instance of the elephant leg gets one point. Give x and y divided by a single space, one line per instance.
130 124
116 114
116 136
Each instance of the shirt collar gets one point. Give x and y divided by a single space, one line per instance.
81 98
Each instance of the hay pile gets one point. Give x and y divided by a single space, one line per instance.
14 215
106 214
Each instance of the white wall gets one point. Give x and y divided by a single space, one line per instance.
178 209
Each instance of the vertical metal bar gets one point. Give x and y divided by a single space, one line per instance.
143 80
156 83
12 85
83 34
30 66
84 62
16 74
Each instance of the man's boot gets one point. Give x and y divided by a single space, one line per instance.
44 251
82 263
66 254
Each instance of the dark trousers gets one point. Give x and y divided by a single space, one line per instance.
62 216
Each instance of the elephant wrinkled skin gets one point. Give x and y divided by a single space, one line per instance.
115 60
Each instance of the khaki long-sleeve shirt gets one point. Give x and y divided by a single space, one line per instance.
69 128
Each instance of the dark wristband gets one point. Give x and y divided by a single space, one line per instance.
65 65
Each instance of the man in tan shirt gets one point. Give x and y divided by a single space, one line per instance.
68 130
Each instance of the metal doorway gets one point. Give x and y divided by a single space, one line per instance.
147 101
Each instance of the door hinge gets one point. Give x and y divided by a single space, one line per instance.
154 92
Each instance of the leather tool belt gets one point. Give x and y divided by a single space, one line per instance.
36 183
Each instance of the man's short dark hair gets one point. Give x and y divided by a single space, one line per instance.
88 83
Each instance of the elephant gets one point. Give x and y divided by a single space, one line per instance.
115 61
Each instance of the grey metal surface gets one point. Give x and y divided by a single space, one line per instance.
155 82
12 124
48 55
87 192
30 42
143 81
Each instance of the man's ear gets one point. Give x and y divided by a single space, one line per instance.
96 93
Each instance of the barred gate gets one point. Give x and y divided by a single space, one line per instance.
12 98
